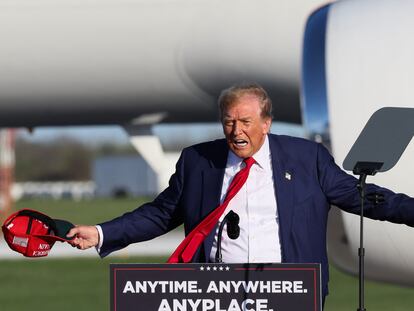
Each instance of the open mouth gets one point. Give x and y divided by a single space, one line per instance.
240 142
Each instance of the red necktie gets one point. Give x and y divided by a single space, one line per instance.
187 248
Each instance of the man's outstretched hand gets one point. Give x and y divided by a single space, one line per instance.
84 236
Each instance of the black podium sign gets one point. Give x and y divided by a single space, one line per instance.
215 287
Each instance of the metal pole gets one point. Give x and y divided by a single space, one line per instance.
361 251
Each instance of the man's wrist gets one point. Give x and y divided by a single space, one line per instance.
100 238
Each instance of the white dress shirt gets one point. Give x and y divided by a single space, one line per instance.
255 204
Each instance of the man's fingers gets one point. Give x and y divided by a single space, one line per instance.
74 242
72 232
79 243
84 237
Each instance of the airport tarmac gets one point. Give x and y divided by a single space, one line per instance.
161 246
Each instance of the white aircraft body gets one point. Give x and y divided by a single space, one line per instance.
140 62
358 58
115 61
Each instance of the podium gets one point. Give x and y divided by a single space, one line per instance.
215 287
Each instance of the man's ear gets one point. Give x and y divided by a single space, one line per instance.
266 125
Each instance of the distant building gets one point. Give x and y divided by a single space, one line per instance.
124 175
76 190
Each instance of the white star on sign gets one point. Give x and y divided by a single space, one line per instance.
215 268
202 268
221 268
227 268
208 268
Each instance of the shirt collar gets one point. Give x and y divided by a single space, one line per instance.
262 156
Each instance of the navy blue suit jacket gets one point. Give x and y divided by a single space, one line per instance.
303 202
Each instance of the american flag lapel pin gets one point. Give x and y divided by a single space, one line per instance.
288 176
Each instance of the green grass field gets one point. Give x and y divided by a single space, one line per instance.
83 283
82 212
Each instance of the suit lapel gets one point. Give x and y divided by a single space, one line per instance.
212 179
283 181
212 184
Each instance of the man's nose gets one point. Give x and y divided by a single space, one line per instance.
236 129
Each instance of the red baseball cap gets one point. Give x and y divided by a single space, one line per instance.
33 234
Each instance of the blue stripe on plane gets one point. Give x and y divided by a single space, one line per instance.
313 89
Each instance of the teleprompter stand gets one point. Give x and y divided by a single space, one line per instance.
377 149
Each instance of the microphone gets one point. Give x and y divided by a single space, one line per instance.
233 231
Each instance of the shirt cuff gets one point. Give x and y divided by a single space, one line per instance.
101 238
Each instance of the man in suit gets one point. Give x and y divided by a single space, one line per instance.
283 205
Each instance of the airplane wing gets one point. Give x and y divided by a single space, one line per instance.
112 62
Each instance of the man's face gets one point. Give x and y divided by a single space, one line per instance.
243 126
